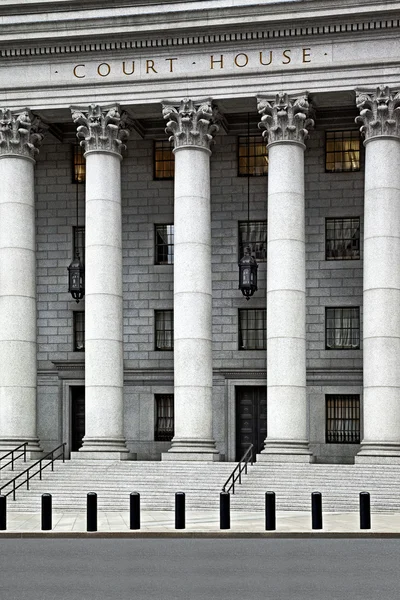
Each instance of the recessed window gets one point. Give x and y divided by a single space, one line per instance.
79 331
79 242
342 328
252 329
164 325
164 160
254 235
342 419
252 156
164 424
342 151
78 164
342 238
164 250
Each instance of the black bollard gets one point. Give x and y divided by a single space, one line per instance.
3 513
316 510
365 510
46 512
91 512
224 510
180 510
270 518
134 510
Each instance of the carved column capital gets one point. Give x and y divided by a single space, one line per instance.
21 133
191 123
101 128
379 112
285 118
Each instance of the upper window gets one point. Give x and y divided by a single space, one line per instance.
164 250
78 164
343 328
164 160
342 238
79 242
254 235
342 151
164 425
164 325
79 331
252 329
342 418
253 156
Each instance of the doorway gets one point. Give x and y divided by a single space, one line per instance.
251 418
77 416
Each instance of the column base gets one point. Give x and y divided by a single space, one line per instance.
33 450
190 449
99 455
285 451
378 453
102 449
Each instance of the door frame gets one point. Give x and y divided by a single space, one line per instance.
67 384
231 417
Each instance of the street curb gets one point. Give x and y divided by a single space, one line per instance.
197 534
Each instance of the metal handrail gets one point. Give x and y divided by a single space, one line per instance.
41 468
246 458
13 459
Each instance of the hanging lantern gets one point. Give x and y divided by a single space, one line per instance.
76 278
248 274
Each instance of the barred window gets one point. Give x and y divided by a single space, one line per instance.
252 156
252 329
78 164
79 242
79 331
164 425
164 251
254 235
164 335
164 160
342 419
342 238
342 328
342 151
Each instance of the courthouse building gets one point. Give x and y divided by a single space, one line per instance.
149 147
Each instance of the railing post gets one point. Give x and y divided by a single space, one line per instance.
27 479
91 512
13 489
134 510
46 512
224 511
270 512
12 460
180 510
25 452
3 512
63 447
365 510
316 509
40 470
240 471
52 461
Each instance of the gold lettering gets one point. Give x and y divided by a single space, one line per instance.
246 60
286 55
75 73
306 54
213 61
270 59
133 68
150 65
108 69
171 66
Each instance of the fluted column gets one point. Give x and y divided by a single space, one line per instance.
19 137
191 127
380 118
285 120
102 133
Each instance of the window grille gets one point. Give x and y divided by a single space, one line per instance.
342 328
78 164
164 160
342 419
342 151
164 426
79 331
252 156
79 242
254 235
164 322
342 237
252 329
164 251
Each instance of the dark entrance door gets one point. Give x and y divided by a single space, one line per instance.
251 419
77 416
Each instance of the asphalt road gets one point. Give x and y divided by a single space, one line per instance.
194 569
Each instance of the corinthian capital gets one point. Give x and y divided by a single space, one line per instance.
20 133
100 128
379 112
284 118
191 124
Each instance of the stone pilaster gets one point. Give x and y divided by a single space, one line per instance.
192 128
102 133
380 119
286 121
20 134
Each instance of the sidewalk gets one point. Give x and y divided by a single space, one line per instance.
201 523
